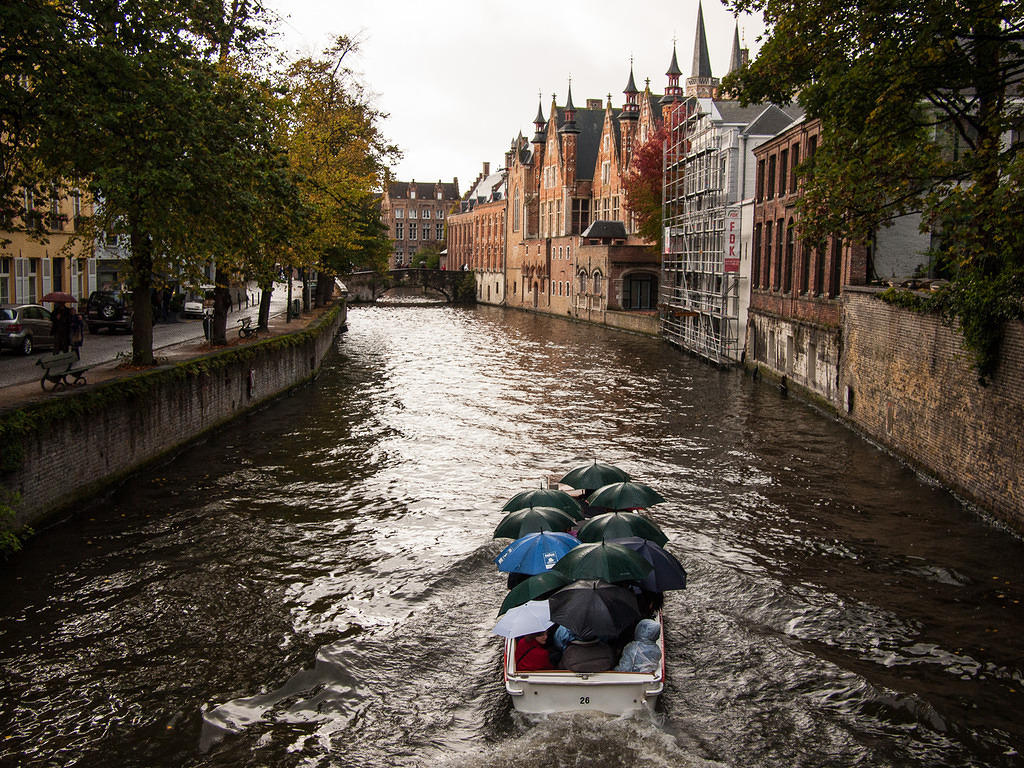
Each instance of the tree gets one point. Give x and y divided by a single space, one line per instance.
643 183
916 100
340 157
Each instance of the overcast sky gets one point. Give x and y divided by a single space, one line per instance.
459 80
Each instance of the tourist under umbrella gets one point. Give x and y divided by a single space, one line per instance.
625 495
545 497
590 477
617 525
526 619
593 608
536 587
666 571
517 524
535 552
610 562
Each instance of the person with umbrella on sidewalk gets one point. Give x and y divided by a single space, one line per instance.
60 327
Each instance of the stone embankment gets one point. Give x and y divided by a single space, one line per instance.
68 446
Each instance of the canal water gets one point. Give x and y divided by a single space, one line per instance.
314 585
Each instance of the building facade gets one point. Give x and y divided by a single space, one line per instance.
476 235
44 250
415 213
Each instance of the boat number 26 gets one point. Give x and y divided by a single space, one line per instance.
584 699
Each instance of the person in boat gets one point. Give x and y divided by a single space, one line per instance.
532 652
642 654
588 655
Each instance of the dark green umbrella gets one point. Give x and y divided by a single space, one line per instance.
610 562
534 588
591 476
620 525
545 497
625 495
517 524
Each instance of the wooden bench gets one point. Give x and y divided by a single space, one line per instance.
58 367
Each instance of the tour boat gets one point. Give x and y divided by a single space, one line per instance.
559 690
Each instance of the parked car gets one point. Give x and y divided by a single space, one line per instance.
109 309
25 328
196 302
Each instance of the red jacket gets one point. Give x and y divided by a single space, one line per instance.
531 655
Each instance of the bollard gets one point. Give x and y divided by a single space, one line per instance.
207 321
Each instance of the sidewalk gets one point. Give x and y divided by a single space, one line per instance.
30 392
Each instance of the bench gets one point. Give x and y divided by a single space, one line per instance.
247 329
58 367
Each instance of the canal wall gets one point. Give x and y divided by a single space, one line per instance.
906 380
61 451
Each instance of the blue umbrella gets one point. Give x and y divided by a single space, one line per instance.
667 572
535 552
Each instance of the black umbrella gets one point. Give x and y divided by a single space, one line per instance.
589 477
668 573
617 525
594 608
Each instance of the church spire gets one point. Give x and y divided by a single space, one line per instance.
701 83
631 109
701 58
538 123
673 92
569 126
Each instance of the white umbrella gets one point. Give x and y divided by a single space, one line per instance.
526 619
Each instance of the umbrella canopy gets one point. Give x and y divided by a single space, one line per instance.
667 572
592 476
545 497
617 525
535 552
517 524
534 588
625 495
610 562
60 297
527 619
594 608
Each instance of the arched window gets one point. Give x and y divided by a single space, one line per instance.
583 282
515 212
598 284
805 262
755 270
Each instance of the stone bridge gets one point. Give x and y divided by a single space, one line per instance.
370 286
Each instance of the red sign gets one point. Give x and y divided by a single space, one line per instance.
732 239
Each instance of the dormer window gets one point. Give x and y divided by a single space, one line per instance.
439 195
412 194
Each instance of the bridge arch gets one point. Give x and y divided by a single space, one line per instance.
370 285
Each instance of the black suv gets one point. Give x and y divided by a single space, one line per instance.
109 309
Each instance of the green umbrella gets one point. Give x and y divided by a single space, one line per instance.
625 495
609 562
517 524
545 497
620 525
534 588
591 476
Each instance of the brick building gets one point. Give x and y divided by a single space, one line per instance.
476 235
796 286
414 213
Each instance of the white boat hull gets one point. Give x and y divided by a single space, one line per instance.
558 690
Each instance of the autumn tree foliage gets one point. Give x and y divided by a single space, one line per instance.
921 109
643 186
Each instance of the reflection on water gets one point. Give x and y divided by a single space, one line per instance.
314 584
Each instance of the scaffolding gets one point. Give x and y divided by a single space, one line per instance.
699 299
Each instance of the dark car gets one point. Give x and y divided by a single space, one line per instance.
25 328
109 309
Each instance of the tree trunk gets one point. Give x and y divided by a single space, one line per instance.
305 289
142 307
324 290
221 301
264 314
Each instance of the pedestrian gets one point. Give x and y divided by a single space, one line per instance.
60 327
77 333
229 302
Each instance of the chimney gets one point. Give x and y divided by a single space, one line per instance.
487 170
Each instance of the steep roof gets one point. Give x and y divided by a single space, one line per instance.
772 121
425 190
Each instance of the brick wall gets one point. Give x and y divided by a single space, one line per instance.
79 456
907 381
